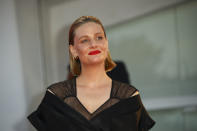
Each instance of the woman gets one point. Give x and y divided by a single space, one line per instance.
91 101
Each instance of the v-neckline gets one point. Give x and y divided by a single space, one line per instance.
75 91
106 110
82 117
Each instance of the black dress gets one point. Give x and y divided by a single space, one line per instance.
64 111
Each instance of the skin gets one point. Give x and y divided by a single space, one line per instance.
93 82
90 37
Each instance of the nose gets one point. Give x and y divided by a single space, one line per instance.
93 43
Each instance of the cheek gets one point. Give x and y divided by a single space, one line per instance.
81 49
105 47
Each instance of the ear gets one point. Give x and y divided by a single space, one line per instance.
73 51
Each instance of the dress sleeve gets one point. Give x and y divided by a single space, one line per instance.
37 119
146 122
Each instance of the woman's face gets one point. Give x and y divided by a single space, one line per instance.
90 44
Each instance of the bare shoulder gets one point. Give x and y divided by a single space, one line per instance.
135 94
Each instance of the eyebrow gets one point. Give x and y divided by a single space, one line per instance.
87 35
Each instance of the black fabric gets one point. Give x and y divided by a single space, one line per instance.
120 72
54 114
66 91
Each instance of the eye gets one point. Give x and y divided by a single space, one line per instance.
99 37
84 40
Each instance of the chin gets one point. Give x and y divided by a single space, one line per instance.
96 61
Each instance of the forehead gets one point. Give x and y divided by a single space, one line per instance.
88 28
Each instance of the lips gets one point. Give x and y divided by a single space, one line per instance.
94 52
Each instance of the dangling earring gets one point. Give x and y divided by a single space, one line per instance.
76 58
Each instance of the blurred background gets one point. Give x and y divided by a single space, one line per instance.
155 39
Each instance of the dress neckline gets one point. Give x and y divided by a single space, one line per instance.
91 113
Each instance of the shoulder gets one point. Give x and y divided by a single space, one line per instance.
123 90
62 88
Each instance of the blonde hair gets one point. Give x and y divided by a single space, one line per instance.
75 65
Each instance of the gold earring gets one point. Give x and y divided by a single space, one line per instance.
76 58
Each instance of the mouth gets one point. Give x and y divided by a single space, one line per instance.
94 52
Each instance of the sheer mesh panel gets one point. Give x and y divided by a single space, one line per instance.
75 104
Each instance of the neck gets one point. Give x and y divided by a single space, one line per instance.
93 74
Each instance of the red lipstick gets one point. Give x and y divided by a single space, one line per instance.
94 52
